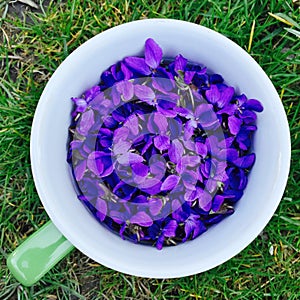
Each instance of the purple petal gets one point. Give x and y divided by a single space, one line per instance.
153 53
101 207
133 124
157 123
162 142
191 160
188 76
160 241
201 149
175 151
189 179
216 78
121 147
205 200
199 228
188 228
170 183
81 105
110 122
98 168
162 84
213 94
253 104
207 116
226 97
117 216
140 169
170 229
189 144
175 127
126 89
91 93
126 72
234 125
161 122
231 154
142 219
191 195
248 116
86 122
217 202
177 212
100 163
144 93
121 133
150 182
135 158
130 158
137 179
157 166
141 199
151 186
246 161
138 64
155 205
189 129
147 145
180 63
211 185
79 170
115 95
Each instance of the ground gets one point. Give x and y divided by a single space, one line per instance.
35 41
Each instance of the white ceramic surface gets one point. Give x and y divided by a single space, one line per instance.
80 71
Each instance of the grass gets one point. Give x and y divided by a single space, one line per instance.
34 43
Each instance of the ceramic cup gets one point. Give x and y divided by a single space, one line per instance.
74 225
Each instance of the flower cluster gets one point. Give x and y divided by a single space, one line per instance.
160 150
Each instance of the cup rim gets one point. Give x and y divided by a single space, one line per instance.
40 177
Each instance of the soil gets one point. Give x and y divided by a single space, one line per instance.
21 9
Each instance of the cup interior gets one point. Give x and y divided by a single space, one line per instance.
80 71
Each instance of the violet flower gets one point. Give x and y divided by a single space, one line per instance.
160 150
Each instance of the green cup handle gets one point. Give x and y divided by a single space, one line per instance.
38 254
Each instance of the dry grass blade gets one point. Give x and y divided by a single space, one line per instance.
285 19
29 3
293 31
